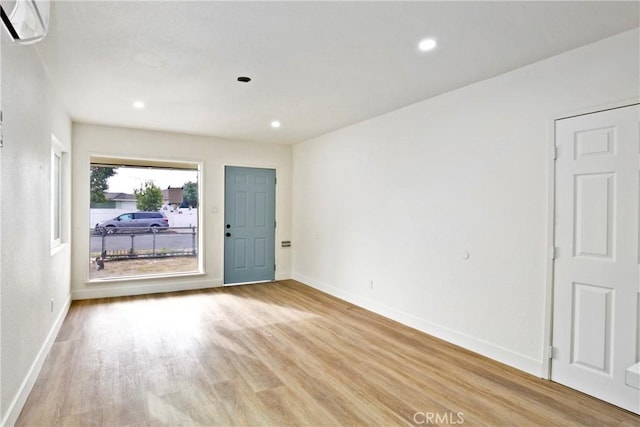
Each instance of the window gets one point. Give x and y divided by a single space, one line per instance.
57 193
144 218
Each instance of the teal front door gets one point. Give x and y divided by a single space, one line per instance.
250 225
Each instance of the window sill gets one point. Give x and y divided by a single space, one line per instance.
127 279
58 248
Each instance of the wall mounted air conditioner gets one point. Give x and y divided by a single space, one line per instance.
26 21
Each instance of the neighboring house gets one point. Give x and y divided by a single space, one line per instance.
117 201
122 200
172 196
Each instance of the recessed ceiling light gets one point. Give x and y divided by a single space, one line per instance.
138 104
275 124
427 45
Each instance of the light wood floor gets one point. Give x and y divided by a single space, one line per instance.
279 354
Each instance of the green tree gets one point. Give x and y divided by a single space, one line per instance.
190 194
98 182
148 197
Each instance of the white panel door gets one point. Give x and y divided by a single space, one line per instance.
596 277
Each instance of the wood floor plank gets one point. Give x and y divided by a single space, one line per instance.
279 354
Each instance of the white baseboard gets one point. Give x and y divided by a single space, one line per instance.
502 355
283 276
16 405
139 287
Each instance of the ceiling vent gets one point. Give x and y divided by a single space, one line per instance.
26 21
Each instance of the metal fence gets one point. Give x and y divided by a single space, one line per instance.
134 242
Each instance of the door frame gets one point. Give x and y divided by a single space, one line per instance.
223 213
551 224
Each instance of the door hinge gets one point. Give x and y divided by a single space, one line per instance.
554 252
1 136
552 352
275 181
274 267
555 152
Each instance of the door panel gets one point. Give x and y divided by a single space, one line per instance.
249 225
596 279
593 217
592 327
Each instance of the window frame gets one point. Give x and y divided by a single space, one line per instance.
58 195
196 166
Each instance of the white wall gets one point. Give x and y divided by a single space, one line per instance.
31 275
214 154
401 198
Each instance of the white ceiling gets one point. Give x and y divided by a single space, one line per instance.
316 66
